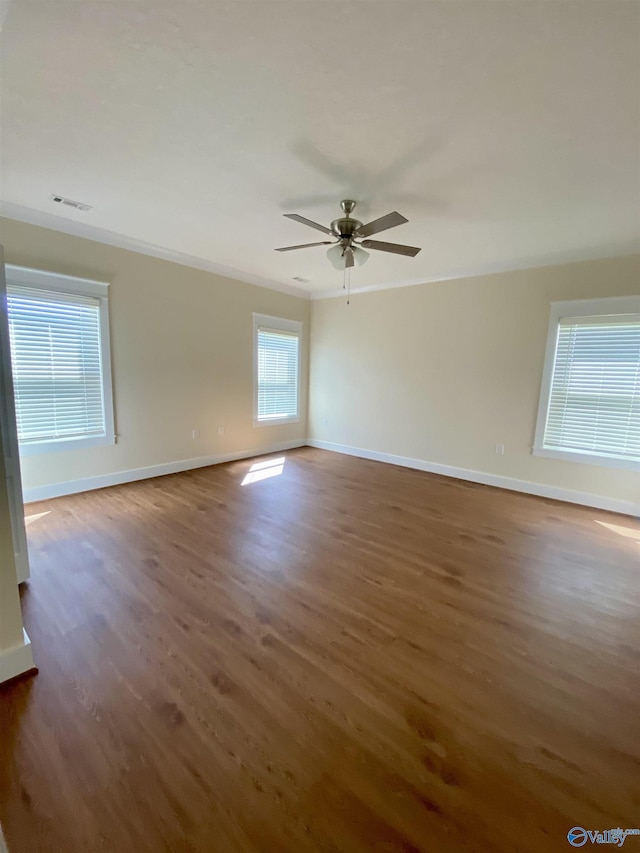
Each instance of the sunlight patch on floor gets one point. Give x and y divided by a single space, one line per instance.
29 519
264 470
621 530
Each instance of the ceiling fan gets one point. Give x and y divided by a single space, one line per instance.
352 237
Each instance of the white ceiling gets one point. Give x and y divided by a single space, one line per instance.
507 132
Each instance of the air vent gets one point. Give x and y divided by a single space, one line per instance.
60 199
300 279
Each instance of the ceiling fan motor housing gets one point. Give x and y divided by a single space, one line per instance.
345 228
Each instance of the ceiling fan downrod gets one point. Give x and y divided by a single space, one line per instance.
345 228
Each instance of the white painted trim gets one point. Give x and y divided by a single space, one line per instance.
111 238
601 307
56 490
487 479
294 419
610 306
585 457
16 660
275 324
40 493
9 440
39 447
607 252
120 241
28 277
46 280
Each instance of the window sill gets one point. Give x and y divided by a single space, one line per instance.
588 458
275 421
35 448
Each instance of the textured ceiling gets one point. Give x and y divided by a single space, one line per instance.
507 132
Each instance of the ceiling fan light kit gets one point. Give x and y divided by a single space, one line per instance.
351 238
336 255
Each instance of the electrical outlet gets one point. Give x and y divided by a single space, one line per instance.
500 449
220 430
195 433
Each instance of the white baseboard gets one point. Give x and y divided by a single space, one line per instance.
40 493
72 487
17 660
539 489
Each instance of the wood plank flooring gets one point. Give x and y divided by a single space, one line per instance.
346 656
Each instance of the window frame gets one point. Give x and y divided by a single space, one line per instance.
606 306
276 324
58 283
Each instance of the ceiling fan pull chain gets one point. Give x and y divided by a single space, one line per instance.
347 275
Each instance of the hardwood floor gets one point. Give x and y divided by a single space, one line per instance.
346 656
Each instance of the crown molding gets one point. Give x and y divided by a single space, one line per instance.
31 216
111 238
631 248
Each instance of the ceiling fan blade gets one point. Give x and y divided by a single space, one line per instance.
348 257
382 224
396 248
304 246
308 222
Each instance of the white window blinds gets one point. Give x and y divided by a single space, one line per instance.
594 402
56 359
277 373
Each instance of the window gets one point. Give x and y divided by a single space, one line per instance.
276 369
59 339
590 398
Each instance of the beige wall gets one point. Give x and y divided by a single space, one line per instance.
438 372
442 372
182 356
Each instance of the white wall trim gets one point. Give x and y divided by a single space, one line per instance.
120 241
487 479
46 280
622 250
611 307
30 278
17 660
56 490
275 324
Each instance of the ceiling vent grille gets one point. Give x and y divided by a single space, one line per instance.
60 199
